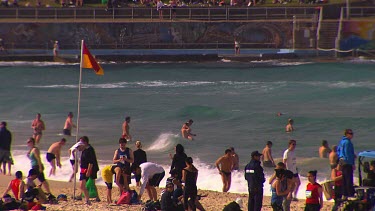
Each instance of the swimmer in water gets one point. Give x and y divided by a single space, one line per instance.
186 130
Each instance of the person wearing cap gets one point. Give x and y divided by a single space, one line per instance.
126 129
56 48
225 166
140 157
5 145
75 154
122 157
234 205
255 179
17 186
166 201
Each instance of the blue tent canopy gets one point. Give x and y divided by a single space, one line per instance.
369 154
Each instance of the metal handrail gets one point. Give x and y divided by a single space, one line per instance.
359 11
190 13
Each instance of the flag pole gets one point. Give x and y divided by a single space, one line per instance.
78 117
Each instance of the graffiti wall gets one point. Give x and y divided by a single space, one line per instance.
135 35
358 35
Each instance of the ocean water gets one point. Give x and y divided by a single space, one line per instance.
232 104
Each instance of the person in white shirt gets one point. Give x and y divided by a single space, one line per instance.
151 175
75 152
290 161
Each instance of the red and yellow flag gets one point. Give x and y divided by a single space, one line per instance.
88 61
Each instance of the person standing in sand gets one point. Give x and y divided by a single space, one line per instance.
38 126
345 152
324 150
140 157
289 127
126 129
266 157
225 166
254 176
186 130
290 160
5 148
69 125
53 155
333 158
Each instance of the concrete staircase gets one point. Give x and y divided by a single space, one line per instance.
328 34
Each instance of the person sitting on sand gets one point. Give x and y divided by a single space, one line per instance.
38 126
324 150
225 166
333 157
53 155
122 157
68 125
186 130
17 186
266 157
289 127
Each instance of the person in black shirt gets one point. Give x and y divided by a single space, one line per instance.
89 167
5 143
369 168
167 198
255 179
178 160
139 158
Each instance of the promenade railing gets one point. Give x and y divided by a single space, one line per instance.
133 13
359 12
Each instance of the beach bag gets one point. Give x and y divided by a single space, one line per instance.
134 197
124 198
90 185
328 189
149 206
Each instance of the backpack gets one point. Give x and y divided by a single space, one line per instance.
151 206
124 198
134 197
90 185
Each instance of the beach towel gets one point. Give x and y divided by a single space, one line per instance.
328 189
125 198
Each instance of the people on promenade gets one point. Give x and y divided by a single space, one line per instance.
267 158
290 160
36 163
186 130
17 185
38 126
5 145
314 196
122 157
336 177
126 129
151 175
333 157
345 152
89 167
178 160
56 48
236 159
189 178
237 47
254 176
289 127
225 166
159 6
324 150
140 157
53 155
69 125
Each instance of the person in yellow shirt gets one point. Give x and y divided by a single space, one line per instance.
107 175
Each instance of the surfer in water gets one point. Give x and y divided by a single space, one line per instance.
186 130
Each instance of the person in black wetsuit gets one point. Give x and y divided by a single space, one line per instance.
140 157
178 160
189 177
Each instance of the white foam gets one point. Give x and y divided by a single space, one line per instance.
37 64
164 142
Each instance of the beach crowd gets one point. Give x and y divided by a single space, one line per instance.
181 191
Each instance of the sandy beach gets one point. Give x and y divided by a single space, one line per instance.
213 202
